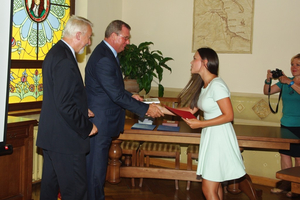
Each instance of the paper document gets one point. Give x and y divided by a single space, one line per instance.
181 113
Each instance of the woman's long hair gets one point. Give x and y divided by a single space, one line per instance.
190 94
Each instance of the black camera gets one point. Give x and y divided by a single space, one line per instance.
276 73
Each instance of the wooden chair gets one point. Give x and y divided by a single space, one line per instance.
192 153
130 152
158 149
130 149
292 175
155 149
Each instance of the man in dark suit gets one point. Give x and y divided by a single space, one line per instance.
108 99
64 126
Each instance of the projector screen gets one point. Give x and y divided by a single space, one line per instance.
5 49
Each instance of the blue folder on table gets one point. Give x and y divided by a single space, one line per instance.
168 128
149 127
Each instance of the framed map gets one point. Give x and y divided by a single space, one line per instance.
223 25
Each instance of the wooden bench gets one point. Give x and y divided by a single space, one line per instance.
292 175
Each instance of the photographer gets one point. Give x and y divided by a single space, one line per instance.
290 91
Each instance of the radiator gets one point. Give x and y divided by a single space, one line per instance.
37 159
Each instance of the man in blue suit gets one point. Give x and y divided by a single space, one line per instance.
64 126
108 99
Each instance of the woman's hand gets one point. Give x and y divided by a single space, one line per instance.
284 79
267 86
193 123
164 110
269 76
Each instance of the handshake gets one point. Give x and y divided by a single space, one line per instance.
154 111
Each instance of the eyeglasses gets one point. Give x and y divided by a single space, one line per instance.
125 37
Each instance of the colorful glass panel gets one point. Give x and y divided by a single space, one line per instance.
37 26
26 85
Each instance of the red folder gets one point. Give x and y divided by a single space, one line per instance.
181 113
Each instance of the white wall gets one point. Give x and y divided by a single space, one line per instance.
169 23
100 13
81 9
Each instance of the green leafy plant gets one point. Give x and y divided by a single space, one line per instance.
142 64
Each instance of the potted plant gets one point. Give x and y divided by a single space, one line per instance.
142 64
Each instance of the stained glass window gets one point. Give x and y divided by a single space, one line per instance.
37 26
26 85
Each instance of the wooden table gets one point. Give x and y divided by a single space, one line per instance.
16 168
261 137
292 175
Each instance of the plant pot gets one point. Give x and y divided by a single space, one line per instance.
131 85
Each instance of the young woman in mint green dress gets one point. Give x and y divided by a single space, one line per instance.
219 154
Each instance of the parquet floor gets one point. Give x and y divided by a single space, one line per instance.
154 189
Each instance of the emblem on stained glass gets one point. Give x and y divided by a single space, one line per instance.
37 9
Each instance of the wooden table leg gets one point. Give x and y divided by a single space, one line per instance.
113 169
